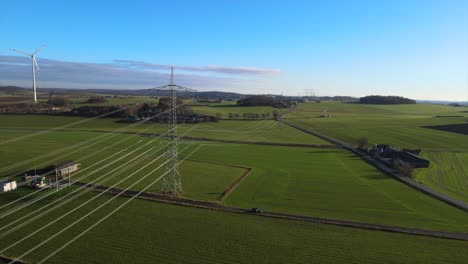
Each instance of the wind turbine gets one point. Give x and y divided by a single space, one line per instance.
34 63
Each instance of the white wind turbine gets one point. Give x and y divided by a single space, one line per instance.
34 63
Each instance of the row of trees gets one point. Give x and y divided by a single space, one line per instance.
264 100
378 99
266 115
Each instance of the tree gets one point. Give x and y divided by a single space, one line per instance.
256 100
231 115
275 114
406 170
58 101
97 100
363 143
377 99
166 102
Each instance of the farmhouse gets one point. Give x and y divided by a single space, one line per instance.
66 167
6 186
400 157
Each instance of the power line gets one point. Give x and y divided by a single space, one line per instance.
93 153
111 213
72 198
50 193
94 210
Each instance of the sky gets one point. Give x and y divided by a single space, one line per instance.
411 48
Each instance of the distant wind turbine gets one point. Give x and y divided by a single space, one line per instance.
34 63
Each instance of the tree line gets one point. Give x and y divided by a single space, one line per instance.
378 99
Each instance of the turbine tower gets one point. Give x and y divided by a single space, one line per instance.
171 183
33 63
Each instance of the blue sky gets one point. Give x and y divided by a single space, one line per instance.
417 49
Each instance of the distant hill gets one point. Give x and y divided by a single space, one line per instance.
442 102
148 92
12 89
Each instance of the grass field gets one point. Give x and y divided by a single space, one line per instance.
319 182
310 181
202 181
225 110
329 183
401 126
116 100
264 131
448 173
147 232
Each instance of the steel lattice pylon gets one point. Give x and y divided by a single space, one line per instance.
171 182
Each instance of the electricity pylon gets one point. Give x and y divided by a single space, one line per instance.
171 183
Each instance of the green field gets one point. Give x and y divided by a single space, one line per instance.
329 183
225 110
202 181
321 182
263 131
148 232
448 173
400 126
311 181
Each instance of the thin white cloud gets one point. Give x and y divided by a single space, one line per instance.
211 68
119 73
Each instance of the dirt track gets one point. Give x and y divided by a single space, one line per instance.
215 206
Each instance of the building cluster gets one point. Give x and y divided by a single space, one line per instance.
399 157
48 177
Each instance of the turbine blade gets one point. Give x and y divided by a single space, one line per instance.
39 49
35 63
19 51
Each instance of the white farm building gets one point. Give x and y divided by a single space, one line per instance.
6 186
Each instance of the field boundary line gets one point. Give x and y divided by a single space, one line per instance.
382 167
233 186
157 197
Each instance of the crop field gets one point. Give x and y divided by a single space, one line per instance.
225 110
262 131
310 181
144 232
403 126
202 181
115 100
321 182
329 183
447 173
